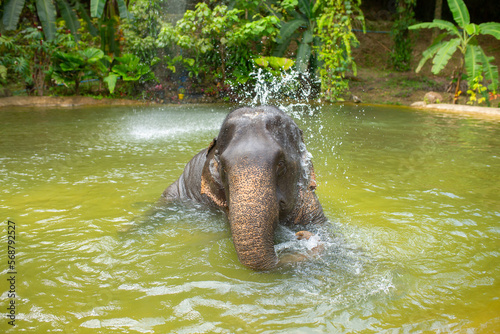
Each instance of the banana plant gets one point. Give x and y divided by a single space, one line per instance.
46 10
97 7
109 12
463 37
302 28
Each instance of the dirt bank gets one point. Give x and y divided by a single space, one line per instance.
376 81
62 101
460 109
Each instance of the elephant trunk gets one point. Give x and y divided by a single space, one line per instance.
253 216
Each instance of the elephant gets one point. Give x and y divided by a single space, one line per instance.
259 172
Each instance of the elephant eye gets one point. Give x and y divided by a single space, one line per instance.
281 168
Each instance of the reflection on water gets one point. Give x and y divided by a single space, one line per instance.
412 244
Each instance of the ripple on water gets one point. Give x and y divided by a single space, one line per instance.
413 198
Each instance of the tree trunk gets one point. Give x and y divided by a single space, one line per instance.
438 10
437 16
77 85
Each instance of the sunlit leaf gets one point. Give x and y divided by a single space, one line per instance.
472 29
262 61
111 81
281 63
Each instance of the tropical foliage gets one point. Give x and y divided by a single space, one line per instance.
129 69
462 38
70 68
335 29
215 45
136 48
302 29
223 39
46 11
403 44
103 19
142 29
28 56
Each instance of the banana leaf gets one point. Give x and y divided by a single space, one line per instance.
473 62
490 28
82 12
305 7
97 7
11 14
69 16
289 28
431 51
444 54
490 71
303 55
122 9
460 12
472 29
440 24
47 14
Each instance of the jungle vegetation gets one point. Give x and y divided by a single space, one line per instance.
143 49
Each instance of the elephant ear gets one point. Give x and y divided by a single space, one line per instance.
211 146
312 176
211 183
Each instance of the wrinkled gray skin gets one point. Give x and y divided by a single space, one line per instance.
259 172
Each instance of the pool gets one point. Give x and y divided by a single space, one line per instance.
413 200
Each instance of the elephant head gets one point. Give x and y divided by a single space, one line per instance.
259 171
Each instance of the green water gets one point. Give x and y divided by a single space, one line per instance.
413 199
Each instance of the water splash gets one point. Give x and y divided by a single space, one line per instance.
157 125
292 91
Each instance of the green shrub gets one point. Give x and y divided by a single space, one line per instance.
131 70
335 30
70 68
